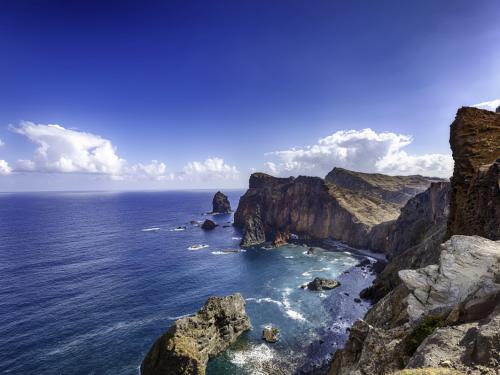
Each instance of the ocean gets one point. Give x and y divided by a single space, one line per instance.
88 281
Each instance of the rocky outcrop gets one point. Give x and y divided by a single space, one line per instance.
463 288
270 334
314 208
498 109
189 343
321 284
413 240
220 204
396 189
475 198
208 225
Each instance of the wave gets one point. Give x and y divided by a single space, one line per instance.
295 315
253 358
197 247
221 253
178 229
154 229
308 273
236 238
289 257
266 300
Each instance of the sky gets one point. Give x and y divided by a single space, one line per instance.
133 95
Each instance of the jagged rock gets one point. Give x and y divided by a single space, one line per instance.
270 334
313 208
208 225
189 343
475 198
468 269
498 109
414 238
320 284
220 204
280 239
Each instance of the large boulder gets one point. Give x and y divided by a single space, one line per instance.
220 204
320 284
191 341
208 225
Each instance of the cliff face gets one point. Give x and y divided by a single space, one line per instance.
413 240
315 208
446 314
395 189
475 198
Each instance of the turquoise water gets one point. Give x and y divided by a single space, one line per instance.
89 280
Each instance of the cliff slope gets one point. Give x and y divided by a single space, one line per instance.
314 208
475 198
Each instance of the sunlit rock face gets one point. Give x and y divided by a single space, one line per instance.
475 197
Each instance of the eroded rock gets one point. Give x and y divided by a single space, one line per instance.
220 204
189 343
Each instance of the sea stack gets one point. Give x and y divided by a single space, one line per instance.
220 204
191 341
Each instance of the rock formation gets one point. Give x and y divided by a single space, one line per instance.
208 225
498 109
462 288
475 198
446 314
412 241
314 208
270 334
322 284
395 189
220 204
189 343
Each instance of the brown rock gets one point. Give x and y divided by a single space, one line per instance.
208 225
220 204
475 198
189 343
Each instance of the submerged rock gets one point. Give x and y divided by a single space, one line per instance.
320 284
189 343
208 225
270 334
220 204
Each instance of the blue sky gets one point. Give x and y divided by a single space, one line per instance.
198 94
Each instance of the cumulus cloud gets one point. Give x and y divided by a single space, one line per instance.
492 105
212 169
62 150
5 169
65 150
362 150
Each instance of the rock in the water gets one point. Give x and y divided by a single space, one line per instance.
280 239
270 334
208 225
220 204
189 343
319 284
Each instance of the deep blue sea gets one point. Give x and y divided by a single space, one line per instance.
88 281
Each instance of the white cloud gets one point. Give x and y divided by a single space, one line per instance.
155 170
5 169
212 169
65 150
2 143
492 105
361 150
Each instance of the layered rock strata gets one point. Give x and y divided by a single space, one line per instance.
314 208
475 198
189 343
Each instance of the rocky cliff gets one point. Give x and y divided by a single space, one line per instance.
445 314
412 241
345 206
475 198
189 343
395 189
